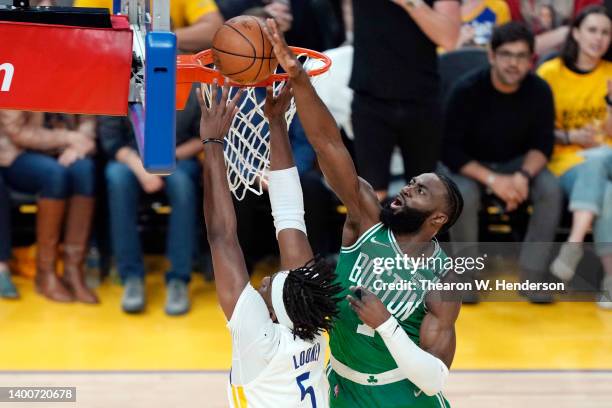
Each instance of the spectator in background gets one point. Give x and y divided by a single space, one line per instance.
396 84
528 11
193 21
499 136
317 25
7 288
581 83
126 179
547 16
54 165
479 17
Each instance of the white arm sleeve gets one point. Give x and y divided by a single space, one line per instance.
254 336
425 371
286 199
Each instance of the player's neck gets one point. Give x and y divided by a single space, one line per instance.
415 244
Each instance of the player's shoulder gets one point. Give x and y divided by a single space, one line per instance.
248 301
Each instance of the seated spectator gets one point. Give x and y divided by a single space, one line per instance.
547 17
581 83
54 165
479 17
194 22
126 180
528 11
499 135
7 288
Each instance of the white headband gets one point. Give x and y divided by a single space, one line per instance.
278 286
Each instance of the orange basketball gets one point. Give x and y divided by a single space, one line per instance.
242 52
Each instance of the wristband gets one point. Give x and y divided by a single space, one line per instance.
213 140
526 174
491 179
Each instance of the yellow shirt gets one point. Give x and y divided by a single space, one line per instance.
579 101
182 12
485 17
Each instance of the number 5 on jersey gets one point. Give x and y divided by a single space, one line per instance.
306 391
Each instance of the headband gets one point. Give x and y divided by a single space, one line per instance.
278 286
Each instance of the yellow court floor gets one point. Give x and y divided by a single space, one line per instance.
36 334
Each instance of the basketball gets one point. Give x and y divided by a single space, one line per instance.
242 52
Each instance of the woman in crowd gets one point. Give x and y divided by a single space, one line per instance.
581 83
53 164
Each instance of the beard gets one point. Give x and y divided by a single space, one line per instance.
406 221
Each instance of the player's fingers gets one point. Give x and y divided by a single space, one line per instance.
365 293
269 93
234 102
224 96
286 91
269 30
354 301
214 94
200 96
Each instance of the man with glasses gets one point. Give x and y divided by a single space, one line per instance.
498 138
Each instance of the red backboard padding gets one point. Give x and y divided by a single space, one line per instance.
65 69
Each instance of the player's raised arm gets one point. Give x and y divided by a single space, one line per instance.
284 186
231 274
324 136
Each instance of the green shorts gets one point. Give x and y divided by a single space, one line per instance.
344 393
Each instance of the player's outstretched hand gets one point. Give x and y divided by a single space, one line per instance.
369 308
216 119
276 106
286 58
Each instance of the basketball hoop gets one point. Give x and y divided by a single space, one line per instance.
247 150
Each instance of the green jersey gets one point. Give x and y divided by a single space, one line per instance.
376 261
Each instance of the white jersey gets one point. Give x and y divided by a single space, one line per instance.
271 369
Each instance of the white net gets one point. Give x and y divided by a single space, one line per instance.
247 148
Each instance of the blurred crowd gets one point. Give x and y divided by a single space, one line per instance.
512 99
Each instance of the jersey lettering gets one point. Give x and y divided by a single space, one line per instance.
307 356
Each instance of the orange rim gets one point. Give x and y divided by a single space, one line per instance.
195 68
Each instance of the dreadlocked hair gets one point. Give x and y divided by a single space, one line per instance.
311 298
454 202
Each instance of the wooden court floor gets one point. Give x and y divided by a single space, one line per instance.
466 389
508 354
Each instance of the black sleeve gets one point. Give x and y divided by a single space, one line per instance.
233 8
542 136
114 133
458 118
